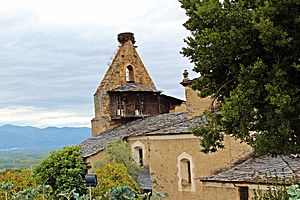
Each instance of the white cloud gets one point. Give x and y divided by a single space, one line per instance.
54 53
101 12
40 117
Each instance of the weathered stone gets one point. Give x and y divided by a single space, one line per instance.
115 77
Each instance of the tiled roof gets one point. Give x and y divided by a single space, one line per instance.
133 87
261 170
170 123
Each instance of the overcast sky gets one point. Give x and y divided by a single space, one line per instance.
54 53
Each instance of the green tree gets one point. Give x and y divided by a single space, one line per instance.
112 175
63 170
119 152
247 53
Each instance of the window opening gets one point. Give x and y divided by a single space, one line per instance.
185 167
244 195
120 105
129 74
138 105
139 156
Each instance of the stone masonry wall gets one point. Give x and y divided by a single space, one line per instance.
195 106
115 77
161 156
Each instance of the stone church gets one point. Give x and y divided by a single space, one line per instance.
157 127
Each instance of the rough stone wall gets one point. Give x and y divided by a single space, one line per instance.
224 191
180 108
162 153
196 105
95 158
221 193
115 77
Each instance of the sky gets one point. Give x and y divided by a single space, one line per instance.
54 53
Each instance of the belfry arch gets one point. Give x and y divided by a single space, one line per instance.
129 74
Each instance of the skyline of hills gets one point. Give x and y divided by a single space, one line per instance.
29 137
26 146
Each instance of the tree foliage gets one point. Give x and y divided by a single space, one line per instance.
63 170
20 179
112 175
118 151
117 169
248 55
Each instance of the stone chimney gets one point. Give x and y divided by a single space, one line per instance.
195 105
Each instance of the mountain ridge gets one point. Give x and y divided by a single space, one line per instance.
30 137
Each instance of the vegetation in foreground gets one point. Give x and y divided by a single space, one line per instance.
61 176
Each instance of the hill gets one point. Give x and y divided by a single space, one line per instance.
28 137
25 146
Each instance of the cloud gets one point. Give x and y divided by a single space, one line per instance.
42 118
53 54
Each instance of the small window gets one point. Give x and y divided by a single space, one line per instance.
185 173
139 153
139 104
244 195
139 156
120 105
185 170
129 74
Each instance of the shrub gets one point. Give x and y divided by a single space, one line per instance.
63 170
119 152
21 179
112 175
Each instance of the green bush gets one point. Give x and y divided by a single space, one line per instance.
119 152
112 175
63 170
278 192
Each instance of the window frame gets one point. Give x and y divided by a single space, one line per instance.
189 184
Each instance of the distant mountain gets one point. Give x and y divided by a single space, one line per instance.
50 138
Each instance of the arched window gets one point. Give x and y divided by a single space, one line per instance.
138 151
185 172
129 74
139 155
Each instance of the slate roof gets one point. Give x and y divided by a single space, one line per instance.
145 182
133 87
170 123
261 170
